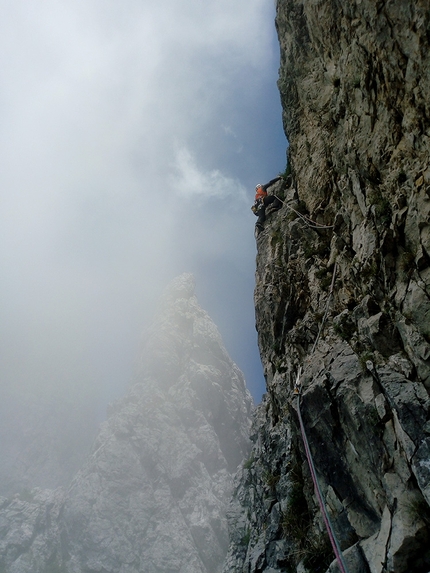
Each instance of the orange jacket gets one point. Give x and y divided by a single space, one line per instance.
260 193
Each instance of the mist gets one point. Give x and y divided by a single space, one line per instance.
133 135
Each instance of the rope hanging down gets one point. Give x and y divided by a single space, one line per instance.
334 543
330 294
333 540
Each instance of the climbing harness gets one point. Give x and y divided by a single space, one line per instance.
333 540
258 203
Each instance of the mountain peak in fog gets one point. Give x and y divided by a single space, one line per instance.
183 286
153 494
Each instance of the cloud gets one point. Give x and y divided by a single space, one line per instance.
100 206
189 181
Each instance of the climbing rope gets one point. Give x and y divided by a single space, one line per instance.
330 294
333 540
306 220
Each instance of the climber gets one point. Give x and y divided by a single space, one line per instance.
263 200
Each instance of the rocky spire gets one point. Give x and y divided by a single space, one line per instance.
152 495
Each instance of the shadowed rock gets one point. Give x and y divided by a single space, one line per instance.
343 291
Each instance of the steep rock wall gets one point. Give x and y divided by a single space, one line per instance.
343 292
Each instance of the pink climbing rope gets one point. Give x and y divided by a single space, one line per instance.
334 543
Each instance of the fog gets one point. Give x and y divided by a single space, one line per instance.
133 134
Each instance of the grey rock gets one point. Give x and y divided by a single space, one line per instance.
354 560
153 494
353 82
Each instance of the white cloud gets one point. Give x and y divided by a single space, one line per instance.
189 181
94 96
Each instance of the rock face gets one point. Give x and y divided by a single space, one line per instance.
343 292
152 495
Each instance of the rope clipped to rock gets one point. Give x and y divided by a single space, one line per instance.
330 294
306 220
333 540
332 536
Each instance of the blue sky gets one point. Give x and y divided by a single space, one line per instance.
133 135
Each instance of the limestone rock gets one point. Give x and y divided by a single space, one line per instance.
342 296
